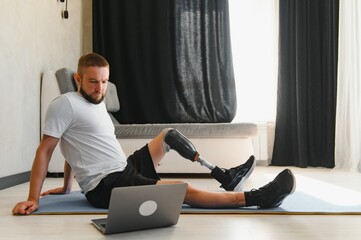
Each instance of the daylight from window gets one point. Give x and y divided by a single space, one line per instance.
254 31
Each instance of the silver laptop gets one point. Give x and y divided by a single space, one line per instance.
142 207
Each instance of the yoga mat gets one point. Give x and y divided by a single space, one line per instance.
297 203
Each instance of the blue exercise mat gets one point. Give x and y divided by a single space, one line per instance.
297 203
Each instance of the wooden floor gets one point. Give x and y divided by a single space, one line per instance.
256 226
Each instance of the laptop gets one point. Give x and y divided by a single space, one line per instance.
142 207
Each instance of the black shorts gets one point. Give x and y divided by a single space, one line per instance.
139 171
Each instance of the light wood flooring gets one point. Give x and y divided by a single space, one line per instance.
256 227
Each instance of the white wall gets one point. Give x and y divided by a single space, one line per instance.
33 38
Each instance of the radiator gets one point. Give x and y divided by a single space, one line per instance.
263 143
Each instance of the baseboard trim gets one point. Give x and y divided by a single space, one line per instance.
13 180
55 175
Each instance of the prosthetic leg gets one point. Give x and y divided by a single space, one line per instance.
178 142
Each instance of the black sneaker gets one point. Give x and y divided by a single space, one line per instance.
273 194
237 176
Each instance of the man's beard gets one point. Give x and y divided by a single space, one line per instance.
90 98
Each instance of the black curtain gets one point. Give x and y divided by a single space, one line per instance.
306 104
170 59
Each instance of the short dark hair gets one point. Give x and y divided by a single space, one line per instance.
91 60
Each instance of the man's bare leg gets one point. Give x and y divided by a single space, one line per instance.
207 199
156 149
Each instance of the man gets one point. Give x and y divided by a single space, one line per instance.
81 123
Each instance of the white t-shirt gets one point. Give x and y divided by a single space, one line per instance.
87 139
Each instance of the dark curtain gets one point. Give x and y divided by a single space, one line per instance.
306 104
170 59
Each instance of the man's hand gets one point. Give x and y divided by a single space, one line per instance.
59 190
25 208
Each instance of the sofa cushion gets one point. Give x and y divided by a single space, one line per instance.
111 98
66 80
192 130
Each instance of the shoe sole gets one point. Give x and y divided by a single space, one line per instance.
294 183
241 183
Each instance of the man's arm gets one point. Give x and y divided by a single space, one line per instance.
68 182
68 178
38 174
